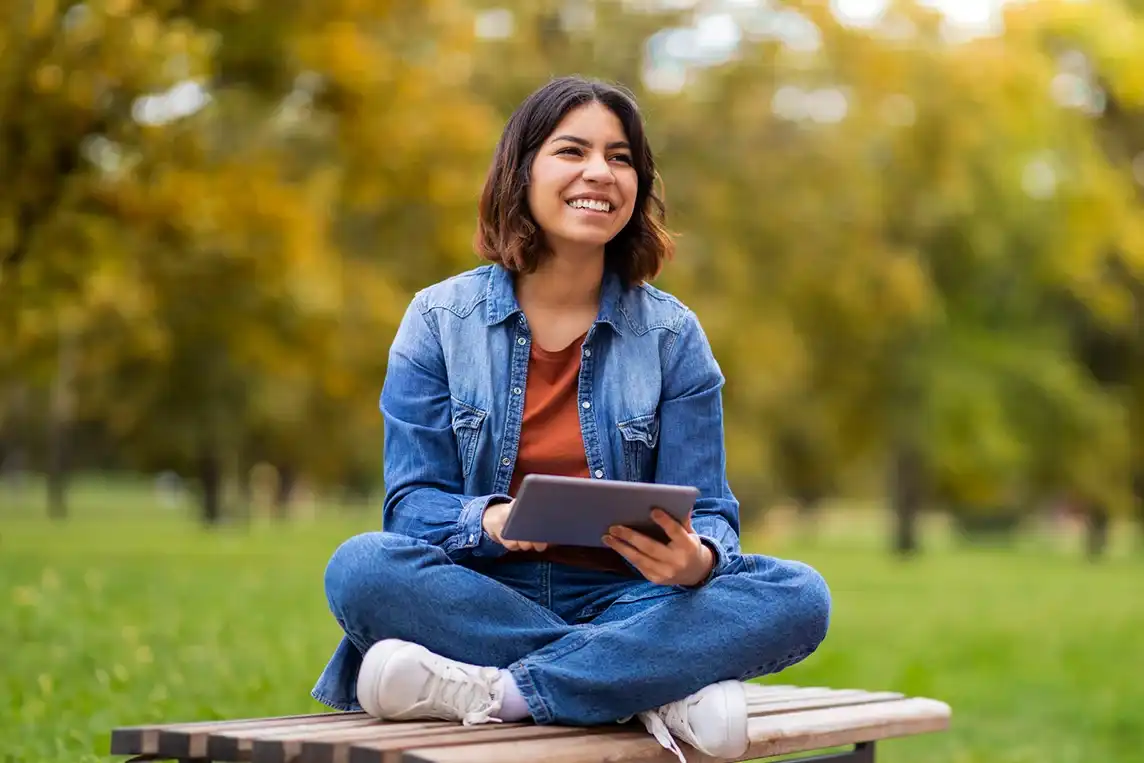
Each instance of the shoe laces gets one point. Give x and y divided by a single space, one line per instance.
470 694
658 722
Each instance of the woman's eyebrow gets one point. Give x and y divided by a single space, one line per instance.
588 143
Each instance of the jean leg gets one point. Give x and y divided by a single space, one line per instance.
656 644
382 585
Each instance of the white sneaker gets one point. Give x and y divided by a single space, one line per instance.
713 720
401 681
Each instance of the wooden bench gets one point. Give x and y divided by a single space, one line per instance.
783 719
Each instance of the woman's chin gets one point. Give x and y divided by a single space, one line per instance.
578 237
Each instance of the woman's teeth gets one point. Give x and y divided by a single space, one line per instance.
599 206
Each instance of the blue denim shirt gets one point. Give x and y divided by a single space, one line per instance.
650 393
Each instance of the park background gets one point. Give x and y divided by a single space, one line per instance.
914 233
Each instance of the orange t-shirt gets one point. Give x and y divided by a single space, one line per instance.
551 443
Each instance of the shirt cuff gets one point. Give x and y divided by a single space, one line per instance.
474 539
718 563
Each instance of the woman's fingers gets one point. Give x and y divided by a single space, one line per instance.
648 547
675 531
651 568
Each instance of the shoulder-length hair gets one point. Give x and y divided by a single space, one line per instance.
506 231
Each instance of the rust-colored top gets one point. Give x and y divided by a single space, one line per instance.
551 443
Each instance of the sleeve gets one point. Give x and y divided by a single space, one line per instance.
691 442
423 479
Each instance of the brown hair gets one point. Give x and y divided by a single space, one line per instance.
506 232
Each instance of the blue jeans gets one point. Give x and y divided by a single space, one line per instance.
584 646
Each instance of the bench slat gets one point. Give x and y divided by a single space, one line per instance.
328 745
822 703
144 739
816 729
235 744
195 743
770 735
769 699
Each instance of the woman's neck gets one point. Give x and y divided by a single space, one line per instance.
563 283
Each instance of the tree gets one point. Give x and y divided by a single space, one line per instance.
200 190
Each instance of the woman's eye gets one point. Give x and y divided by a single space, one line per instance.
569 150
623 158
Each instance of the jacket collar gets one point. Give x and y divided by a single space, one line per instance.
501 303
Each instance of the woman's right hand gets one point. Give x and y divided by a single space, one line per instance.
493 522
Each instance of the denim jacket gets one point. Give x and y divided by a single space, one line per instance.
650 394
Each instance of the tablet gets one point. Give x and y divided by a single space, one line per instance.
575 511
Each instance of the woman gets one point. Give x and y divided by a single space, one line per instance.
559 358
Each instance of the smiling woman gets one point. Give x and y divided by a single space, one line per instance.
593 155
559 358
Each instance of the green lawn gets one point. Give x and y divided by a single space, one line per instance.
134 620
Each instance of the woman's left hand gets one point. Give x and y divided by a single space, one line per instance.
684 560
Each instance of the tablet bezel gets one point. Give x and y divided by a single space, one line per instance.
551 509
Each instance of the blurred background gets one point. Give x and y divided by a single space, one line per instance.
913 231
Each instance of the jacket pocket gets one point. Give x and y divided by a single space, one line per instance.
467 423
640 438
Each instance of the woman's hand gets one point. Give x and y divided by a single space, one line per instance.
684 560
492 521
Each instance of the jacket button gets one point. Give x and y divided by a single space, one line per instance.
599 474
587 404
505 461
516 390
587 352
520 340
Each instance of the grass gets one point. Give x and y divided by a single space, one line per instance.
126 617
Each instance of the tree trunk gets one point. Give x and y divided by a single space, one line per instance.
906 498
1138 503
287 479
1136 414
808 516
58 453
1096 536
210 479
61 414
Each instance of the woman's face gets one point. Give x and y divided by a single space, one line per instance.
583 186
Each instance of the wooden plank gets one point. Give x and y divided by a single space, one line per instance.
337 750
288 745
794 694
195 742
236 744
832 699
144 739
821 703
630 743
816 729
465 737
770 735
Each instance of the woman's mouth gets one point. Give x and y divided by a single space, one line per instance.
591 205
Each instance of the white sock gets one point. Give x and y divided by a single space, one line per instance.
513 707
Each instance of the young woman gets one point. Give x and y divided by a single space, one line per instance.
559 358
